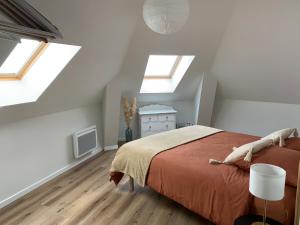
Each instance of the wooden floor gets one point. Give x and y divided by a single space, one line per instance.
85 196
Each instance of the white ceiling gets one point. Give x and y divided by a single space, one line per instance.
201 37
256 58
116 43
103 29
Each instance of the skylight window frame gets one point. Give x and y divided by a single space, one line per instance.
29 63
39 77
170 75
169 85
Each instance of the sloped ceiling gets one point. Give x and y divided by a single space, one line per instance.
255 59
104 30
258 59
201 37
116 43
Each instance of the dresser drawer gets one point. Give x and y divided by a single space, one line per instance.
151 126
149 118
157 126
167 117
169 125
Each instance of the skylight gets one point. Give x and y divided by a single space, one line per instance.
161 65
19 56
42 66
164 72
21 59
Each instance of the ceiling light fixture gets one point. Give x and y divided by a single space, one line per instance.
166 16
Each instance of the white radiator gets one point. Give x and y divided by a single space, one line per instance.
85 141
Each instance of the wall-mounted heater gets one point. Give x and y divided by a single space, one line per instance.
85 141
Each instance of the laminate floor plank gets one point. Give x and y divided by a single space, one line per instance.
84 196
33 199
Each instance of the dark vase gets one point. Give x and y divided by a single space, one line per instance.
128 134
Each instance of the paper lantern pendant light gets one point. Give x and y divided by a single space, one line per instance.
166 16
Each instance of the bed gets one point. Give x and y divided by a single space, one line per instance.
219 193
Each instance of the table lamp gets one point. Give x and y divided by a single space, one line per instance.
267 182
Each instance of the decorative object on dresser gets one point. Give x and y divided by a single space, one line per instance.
267 182
129 110
154 119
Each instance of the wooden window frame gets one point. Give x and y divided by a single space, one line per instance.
24 70
171 74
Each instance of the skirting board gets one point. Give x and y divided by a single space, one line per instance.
39 183
111 147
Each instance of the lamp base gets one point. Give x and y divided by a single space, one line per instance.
259 223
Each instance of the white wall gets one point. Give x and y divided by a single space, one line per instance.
32 149
197 99
257 63
256 118
204 100
111 109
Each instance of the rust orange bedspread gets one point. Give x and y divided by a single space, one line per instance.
219 193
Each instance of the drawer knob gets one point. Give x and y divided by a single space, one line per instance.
167 126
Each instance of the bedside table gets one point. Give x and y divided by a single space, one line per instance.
249 219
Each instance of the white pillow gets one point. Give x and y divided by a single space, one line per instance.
244 150
281 135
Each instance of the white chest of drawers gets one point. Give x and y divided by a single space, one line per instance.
154 119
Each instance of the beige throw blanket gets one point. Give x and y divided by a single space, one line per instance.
134 158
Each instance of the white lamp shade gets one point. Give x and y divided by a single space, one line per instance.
166 16
267 182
